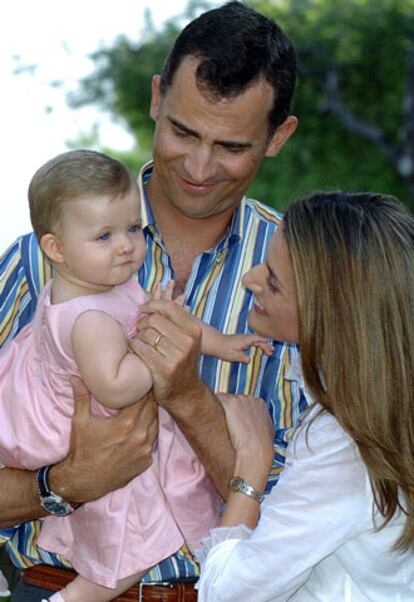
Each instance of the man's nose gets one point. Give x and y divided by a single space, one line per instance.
200 164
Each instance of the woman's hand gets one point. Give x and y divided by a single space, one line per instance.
251 432
249 423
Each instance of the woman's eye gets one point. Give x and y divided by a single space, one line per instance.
270 284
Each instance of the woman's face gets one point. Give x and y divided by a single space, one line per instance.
274 314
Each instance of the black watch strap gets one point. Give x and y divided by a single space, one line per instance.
51 502
43 480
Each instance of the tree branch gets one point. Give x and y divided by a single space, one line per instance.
335 105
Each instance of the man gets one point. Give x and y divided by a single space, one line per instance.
220 106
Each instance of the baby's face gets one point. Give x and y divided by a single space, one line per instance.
102 239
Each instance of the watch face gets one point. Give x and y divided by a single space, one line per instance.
53 506
236 483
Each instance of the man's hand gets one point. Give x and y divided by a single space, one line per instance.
105 453
168 342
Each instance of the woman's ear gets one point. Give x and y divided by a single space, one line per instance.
52 247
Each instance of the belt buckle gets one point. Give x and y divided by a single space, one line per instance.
141 585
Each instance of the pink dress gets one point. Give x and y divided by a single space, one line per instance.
128 530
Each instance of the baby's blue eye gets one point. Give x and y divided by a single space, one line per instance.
104 236
133 229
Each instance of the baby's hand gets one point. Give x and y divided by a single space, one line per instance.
166 294
163 294
233 345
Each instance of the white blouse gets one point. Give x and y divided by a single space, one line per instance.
315 540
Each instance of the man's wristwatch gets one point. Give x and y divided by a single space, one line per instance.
50 501
239 484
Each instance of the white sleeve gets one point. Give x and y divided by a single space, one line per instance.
323 498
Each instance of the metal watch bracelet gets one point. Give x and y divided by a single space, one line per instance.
239 485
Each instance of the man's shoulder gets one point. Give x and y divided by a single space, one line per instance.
22 257
23 273
21 245
263 212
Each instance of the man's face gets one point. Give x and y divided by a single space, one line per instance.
207 151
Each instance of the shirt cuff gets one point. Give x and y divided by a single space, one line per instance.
217 536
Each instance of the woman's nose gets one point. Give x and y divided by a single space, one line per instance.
252 279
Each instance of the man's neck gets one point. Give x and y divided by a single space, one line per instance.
185 237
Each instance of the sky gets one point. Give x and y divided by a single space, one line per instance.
41 42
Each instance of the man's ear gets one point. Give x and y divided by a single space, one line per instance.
52 247
281 136
155 96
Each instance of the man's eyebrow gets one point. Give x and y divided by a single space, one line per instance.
183 127
273 276
234 145
231 144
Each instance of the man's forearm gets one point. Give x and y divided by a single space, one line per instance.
201 417
104 455
177 386
19 500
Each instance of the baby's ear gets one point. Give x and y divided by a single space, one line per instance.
52 247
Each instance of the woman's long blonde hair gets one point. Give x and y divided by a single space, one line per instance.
353 260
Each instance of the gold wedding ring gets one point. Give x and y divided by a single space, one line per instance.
157 340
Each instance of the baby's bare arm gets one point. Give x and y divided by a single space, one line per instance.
231 347
114 376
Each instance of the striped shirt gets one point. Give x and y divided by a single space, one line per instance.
216 295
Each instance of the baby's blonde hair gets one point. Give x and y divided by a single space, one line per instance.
70 176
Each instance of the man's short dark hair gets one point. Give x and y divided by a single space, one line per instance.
237 46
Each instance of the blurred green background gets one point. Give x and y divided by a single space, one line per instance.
354 100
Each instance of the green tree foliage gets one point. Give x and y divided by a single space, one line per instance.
121 82
355 98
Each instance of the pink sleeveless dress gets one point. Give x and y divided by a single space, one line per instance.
128 530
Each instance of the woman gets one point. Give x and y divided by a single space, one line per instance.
339 526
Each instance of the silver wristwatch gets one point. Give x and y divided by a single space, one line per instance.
50 501
239 484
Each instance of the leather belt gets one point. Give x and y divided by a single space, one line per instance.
55 579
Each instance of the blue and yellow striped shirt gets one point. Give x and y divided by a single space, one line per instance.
215 294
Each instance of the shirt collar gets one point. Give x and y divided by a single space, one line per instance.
294 372
234 233
147 217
